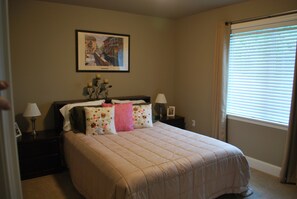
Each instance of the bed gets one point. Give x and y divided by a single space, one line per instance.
159 162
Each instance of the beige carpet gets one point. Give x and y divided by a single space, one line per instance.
267 187
59 186
56 186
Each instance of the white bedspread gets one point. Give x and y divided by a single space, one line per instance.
162 162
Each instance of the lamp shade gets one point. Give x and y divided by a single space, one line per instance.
31 110
161 99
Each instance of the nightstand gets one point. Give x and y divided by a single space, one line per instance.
40 155
177 121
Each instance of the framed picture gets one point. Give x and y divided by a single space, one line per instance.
171 111
17 130
102 52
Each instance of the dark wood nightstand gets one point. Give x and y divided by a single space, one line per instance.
40 155
177 121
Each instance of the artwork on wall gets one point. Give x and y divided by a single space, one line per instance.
103 52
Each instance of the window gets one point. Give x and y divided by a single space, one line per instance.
261 69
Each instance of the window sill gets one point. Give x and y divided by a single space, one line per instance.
257 122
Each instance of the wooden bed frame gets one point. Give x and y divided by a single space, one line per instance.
58 118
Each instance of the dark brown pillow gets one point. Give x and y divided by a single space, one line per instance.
77 119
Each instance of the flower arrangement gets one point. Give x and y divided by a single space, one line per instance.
98 88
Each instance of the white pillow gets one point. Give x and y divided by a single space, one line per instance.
100 120
65 111
142 116
115 101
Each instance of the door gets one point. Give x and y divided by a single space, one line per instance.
10 186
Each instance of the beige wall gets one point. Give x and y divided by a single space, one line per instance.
44 61
174 57
260 142
196 42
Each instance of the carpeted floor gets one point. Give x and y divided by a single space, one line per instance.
59 186
267 187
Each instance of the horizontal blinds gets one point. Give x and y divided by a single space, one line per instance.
260 73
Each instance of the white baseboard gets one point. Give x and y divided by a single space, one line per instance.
264 166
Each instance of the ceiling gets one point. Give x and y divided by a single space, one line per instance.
173 9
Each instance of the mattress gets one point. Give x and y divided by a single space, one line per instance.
162 162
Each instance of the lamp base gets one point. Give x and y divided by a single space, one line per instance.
33 126
34 133
161 112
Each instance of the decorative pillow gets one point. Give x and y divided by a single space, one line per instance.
115 101
100 120
142 116
77 118
123 116
65 111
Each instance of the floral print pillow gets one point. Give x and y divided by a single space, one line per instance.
100 120
142 116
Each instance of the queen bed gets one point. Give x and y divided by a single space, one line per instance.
155 162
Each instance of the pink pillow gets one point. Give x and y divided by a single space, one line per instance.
123 116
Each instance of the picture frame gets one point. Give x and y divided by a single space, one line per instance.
102 52
171 111
17 130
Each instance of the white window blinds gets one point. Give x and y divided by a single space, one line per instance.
261 70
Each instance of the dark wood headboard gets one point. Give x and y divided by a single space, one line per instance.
59 104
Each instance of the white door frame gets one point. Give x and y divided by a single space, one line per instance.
10 184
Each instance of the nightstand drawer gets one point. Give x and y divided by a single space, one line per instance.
33 167
39 155
176 121
38 148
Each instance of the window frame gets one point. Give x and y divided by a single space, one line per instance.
290 19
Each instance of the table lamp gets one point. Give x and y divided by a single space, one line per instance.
161 100
32 111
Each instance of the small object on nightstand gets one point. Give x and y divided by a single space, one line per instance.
177 121
18 132
40 155
171 111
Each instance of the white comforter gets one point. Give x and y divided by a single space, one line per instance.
162 162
